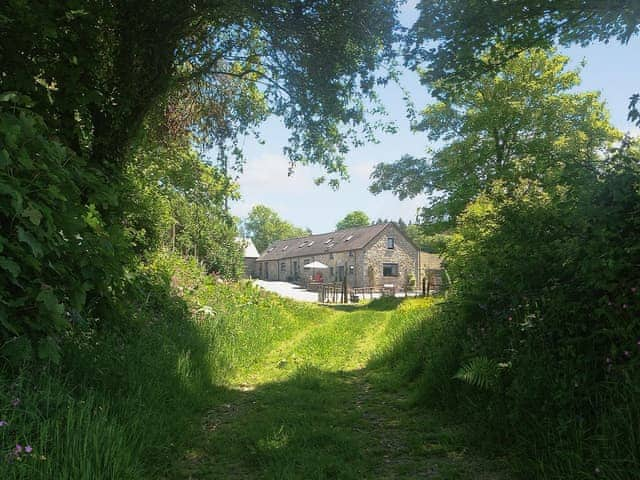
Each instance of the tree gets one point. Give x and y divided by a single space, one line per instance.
265 226
180 200
519 123
314 62
467 33
354 219
82 82
425 241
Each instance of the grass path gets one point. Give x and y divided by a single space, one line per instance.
311 409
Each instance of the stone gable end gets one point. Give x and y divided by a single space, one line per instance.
404 255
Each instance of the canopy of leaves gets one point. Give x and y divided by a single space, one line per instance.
523 122
95 69
265 226
468 33
101 104
425 240
177 204
356 218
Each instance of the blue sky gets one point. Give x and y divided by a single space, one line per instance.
611 69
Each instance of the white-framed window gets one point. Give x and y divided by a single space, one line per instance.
391 243
283 267
389 269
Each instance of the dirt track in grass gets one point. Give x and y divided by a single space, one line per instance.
312 408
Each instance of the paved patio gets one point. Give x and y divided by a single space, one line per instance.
288 290
296 292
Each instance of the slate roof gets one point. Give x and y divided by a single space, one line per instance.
340 241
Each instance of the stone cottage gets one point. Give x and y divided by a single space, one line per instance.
370 256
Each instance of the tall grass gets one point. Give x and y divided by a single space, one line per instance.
425 351
126 399
602 442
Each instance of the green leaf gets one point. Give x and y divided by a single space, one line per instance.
5 159
32 214
481 372
15 97
4 321
25 159
18 350
55 193
26 237
10 266
50 301
16 197
9 97
79 297
48 349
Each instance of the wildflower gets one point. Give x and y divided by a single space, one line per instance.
624 305
634 289
28 449
3 423
608 360
609 303
597 471
627 354
15 402
18 449
510 318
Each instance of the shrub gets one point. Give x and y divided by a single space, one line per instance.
546 278
55 248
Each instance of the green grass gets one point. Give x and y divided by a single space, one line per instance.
226 381
313 407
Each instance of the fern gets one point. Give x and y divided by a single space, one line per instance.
481 372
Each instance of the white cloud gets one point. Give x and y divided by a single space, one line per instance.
298 200
269 173
361 170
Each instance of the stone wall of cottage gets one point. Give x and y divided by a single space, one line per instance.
292 269
355 264
404 254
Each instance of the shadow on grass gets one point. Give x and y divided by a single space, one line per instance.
151 377
377 305
323 425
